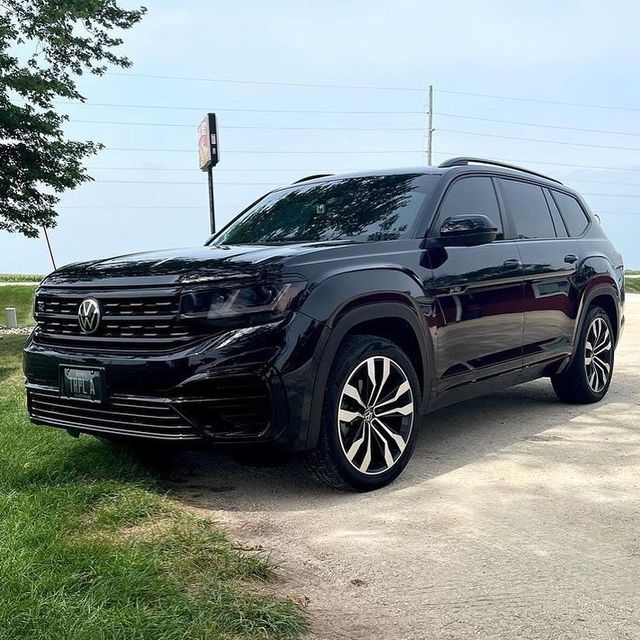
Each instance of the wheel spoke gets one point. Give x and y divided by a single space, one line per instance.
386 369
604 347
355 447
366 461
604 337
396 437
403 411
402 389
371 371
601 363
351 392
349 416
388 458
599 378
597 326
592 378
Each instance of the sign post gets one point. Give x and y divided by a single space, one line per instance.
208 155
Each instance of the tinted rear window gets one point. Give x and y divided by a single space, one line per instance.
361 209
528 208
574 217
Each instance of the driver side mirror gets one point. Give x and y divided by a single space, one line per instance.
467 231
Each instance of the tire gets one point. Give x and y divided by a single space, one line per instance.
368 431
587 378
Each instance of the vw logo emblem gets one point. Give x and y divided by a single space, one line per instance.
89 315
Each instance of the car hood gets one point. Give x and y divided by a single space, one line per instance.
183 266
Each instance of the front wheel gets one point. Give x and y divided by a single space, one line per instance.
588 377
370 416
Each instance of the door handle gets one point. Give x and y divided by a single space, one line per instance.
570 258
512 263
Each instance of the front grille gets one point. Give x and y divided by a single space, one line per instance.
123 415
137 319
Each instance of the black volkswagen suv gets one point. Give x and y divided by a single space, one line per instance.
331 314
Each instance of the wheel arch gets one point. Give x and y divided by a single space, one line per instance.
392 317
605 295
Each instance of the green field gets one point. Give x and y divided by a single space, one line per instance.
20 297
92 549
20 277
632 285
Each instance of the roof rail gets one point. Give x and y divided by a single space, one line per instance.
313 177
463 161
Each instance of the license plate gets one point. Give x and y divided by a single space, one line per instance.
82 384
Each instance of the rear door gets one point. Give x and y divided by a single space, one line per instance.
478 292
549 261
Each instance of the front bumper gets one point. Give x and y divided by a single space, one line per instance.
225 389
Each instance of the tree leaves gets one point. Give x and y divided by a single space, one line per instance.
44 46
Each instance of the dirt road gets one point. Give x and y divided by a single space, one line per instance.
519 517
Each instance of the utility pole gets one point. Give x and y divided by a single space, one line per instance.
46 237
212 206
430 127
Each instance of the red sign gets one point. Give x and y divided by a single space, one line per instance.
208 142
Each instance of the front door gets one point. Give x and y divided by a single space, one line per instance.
478 291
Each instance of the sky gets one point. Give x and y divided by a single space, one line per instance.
513 81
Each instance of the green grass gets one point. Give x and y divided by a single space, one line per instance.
20 277
20 297
632 272
91 548
632 285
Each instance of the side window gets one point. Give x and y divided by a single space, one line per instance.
471 195
558 223
574 216
528 208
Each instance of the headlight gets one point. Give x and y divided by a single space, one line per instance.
269 300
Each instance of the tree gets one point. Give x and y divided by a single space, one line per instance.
44 46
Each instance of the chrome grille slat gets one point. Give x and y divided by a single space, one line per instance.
144 417
135 318
61 406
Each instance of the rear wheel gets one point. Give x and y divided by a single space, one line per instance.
588 377
370 416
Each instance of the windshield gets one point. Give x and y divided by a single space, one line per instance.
359 209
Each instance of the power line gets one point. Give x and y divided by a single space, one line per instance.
262 151
370 87
538 100
539 124
194 126
232 109
307 85
286 128
237 184
613 195
296 170
560 142
127 207
622 184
